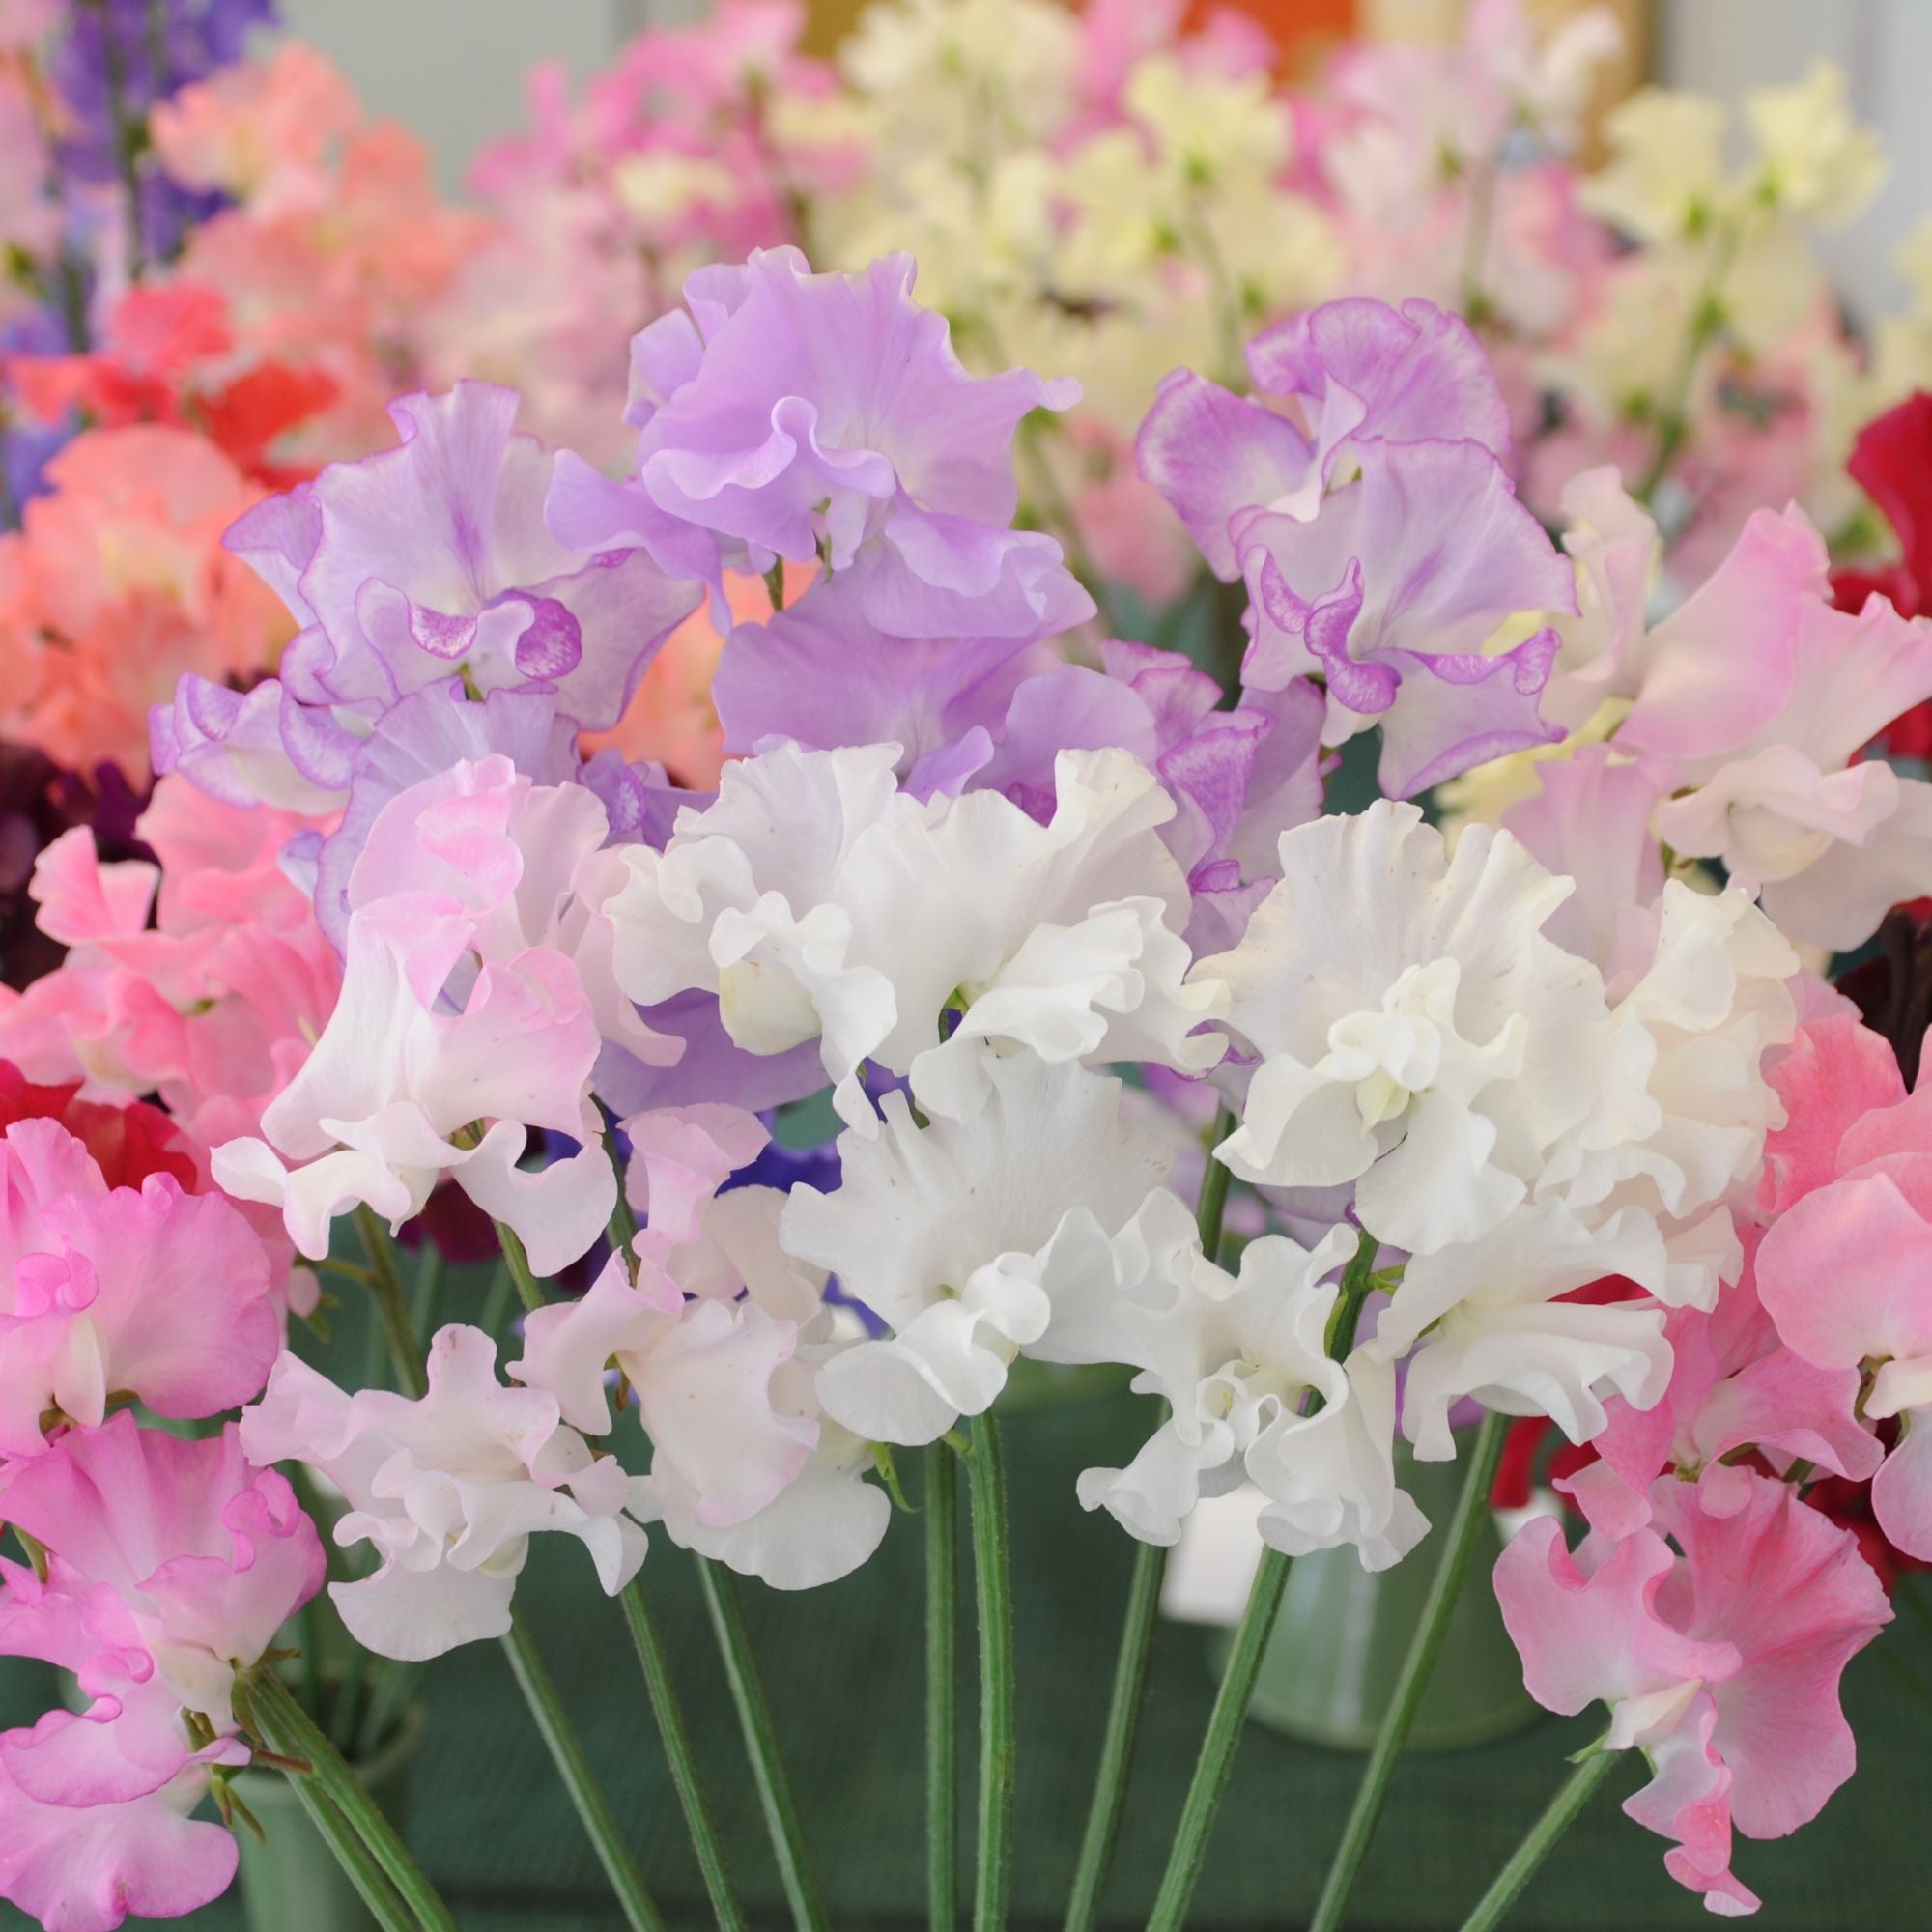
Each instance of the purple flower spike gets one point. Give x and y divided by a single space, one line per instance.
800 416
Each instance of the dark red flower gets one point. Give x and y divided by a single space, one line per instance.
127 1142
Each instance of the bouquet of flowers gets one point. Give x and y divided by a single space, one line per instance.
1048 948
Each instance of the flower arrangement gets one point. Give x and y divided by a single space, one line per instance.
517 835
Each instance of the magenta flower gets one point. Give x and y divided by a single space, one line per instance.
795 415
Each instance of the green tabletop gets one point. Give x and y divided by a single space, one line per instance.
844 1667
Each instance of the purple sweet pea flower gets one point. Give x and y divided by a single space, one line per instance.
1389 594
432 560
1350 371
821 676
804 416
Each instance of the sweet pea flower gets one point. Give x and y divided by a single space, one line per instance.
423 563
797 416
1751 704
169 1566
401 1090
1841 1268
214 1005
179 1563
1681 1108
1733 1385
149 1292
974 1241
519 863
1489 1318
1417 1033
1721 1664
1355 538
1237 1361
817 900
449 1489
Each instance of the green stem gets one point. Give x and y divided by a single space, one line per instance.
1217 1747
528 1292
423 1297
1707 318
762 1744
288 1730
774 585
942 1688
1216 1761
1116 1745
1576 1792
683 1762
1131 1664
392 1305
992 1590
385 1906
593 1809
1424 1648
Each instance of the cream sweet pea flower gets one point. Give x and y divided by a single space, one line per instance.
1817 161
1667 172
1416 1033
976 1242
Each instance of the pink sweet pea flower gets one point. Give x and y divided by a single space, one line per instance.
1843 1269
1721 1664
156 1292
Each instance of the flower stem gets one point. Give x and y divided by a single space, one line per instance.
528 1292
942 1688
1217 1747
593 1809
1424 1648
992 1590
1216 1761
1131 1665
374 1890
683 1763
761 1743
1576 1792
392 1305
288 1730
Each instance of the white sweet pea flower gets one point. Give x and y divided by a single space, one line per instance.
817 900
1681 1105
1483 1319
397 1086
975 1241
1416 1032
1238 1361
449 1490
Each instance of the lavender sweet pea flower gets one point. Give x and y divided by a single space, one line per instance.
432 560
821 676
804 416
1389 595
1349 371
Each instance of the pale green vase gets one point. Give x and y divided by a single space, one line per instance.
1331 1666
290 1877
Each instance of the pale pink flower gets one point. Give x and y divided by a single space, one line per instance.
1721 1664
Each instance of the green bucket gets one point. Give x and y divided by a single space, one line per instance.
290 1877
1330 1672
